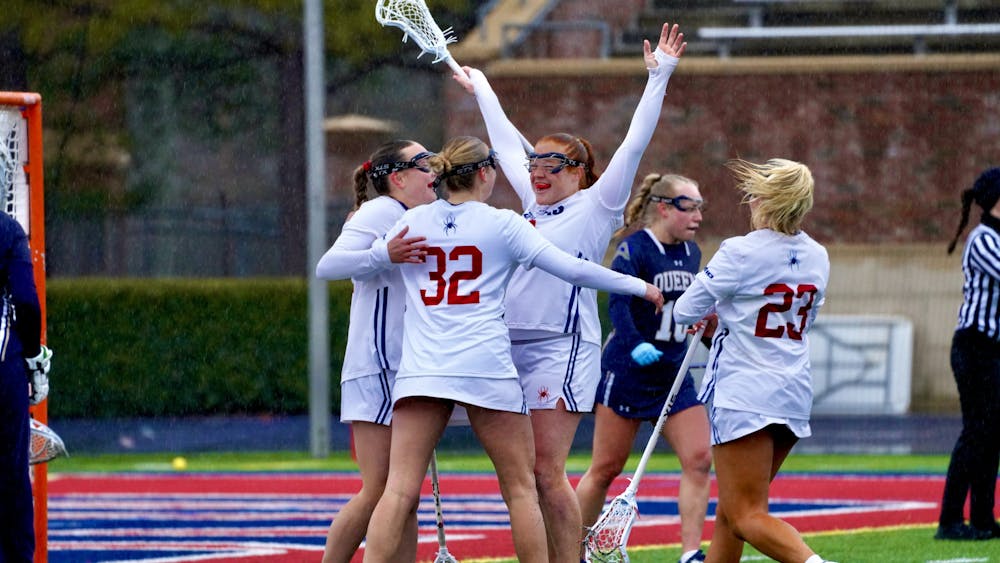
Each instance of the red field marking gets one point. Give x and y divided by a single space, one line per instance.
863 501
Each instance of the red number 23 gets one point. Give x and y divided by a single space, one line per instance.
788 296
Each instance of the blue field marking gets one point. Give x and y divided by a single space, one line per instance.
173 528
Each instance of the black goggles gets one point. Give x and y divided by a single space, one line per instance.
469 168
564 161
419 161
681 202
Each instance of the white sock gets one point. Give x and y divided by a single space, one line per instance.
688 554
815 559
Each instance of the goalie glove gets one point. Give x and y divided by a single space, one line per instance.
38 375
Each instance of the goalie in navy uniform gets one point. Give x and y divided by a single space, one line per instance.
642 355
24 364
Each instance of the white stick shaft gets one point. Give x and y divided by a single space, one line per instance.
454 65
671 396
437 499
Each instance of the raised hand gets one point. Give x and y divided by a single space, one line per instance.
402 250
464 81
671 43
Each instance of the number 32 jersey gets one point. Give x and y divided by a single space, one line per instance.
455 299
767 289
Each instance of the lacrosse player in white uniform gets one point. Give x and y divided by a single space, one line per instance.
399 173
765 288
555 326
456 348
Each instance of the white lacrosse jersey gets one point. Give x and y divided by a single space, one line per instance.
767 289
455 298
581 225
375 332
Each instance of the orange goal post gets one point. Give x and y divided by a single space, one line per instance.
23 199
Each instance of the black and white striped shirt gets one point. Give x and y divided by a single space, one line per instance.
981 266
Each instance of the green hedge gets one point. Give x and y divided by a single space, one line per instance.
180 347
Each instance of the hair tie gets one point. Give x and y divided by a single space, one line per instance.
367 166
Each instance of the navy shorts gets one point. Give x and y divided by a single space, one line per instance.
643 397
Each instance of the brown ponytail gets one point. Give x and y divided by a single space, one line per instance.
967 197
387 153
663 185
637 205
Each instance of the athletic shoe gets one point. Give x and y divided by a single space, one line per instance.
961 532
695 557
991 531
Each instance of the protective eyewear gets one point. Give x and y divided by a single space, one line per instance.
419 161
681 202
468 168
549 167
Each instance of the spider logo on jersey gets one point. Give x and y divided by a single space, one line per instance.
450 226
793 260
543 393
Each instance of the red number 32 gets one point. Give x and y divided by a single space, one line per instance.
449 287
806 292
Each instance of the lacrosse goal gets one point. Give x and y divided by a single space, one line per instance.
23 199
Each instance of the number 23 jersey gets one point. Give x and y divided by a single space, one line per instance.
767 289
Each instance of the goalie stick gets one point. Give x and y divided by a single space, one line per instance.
606 541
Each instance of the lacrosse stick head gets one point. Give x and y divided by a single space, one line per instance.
46 445
414 18
606 540
444 557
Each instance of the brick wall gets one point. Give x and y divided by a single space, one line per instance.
891 143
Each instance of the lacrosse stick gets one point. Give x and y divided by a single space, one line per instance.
45 445
606 540
442 555
416 21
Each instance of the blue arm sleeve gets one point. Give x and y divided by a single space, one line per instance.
20 285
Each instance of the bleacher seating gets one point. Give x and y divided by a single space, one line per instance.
815 27
562 28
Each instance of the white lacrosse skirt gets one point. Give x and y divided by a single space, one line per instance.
729 425
367 398
566 368
486 392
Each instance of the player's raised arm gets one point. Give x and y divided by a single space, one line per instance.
508 142
616 185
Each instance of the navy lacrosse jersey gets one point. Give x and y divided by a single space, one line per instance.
671 268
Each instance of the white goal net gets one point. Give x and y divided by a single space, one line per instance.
13 158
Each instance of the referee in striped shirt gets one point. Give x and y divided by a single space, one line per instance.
975 360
